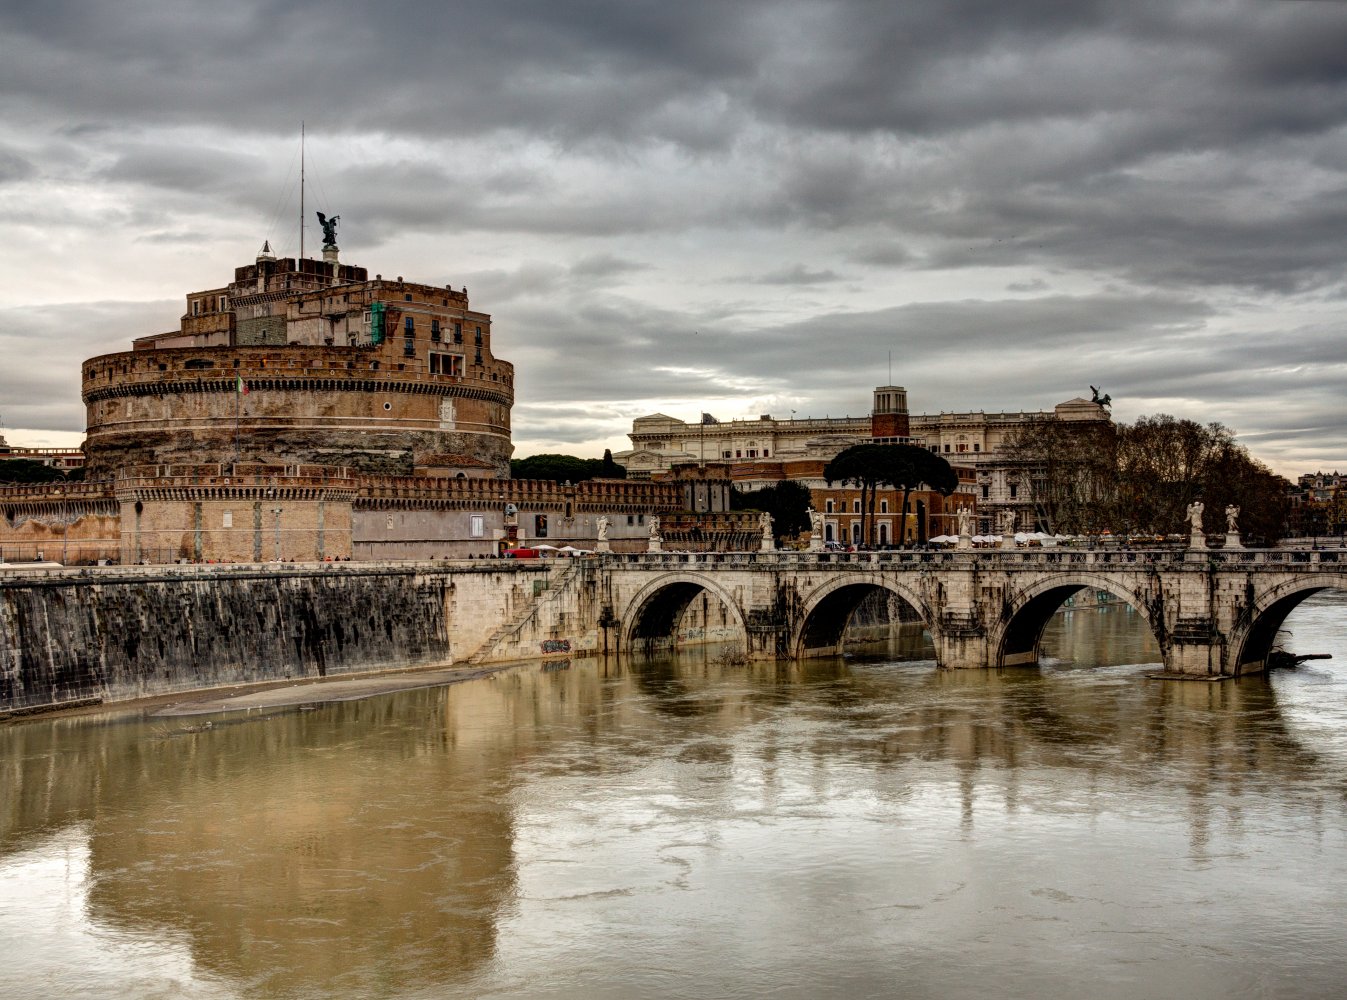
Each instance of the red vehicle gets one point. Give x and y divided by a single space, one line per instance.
522 554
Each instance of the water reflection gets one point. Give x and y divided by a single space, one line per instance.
692 824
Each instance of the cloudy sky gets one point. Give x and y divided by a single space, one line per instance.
742 208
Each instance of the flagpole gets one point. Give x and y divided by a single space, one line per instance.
301 191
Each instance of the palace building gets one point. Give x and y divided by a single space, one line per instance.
770 449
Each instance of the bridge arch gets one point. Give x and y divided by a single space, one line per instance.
1254 636
652 614
1015 640
826 611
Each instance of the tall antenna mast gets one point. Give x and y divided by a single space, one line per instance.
301 190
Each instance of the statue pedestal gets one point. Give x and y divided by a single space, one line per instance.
1232 540
1196 541
656 545
767 546
815 543
1008 540
603 546
964 544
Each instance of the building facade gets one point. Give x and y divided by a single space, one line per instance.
308 363
770 449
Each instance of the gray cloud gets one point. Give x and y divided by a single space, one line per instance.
782 191
798 274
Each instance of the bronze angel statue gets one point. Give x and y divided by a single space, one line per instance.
329 229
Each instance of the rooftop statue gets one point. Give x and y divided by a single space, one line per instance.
1104 400
329 229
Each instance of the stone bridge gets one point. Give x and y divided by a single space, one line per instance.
1212 612
108 634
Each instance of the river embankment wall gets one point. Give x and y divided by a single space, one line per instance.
71 636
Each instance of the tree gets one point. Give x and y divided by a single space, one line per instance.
788 502
1069 469
858 465
1140 478
907 467
902 466
27 470
610 469
566 468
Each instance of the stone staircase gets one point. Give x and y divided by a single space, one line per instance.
497 645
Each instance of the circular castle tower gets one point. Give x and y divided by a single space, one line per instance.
308 362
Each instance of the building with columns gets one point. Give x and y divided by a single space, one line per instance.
771 449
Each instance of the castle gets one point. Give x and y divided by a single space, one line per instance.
305 411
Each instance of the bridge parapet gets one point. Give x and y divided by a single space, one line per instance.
1159 557
1212 612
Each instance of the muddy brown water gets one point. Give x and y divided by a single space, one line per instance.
690 826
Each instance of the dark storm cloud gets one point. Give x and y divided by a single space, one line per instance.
1143 177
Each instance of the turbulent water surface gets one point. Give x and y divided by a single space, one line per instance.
696 827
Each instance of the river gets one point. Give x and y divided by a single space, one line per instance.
692 826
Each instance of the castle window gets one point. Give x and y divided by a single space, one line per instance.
478 340
196 307
855 506
446 364
435 330
977 446
766 453
477 525
458 333
883 506
986 490
828 506
1014 490
409 326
